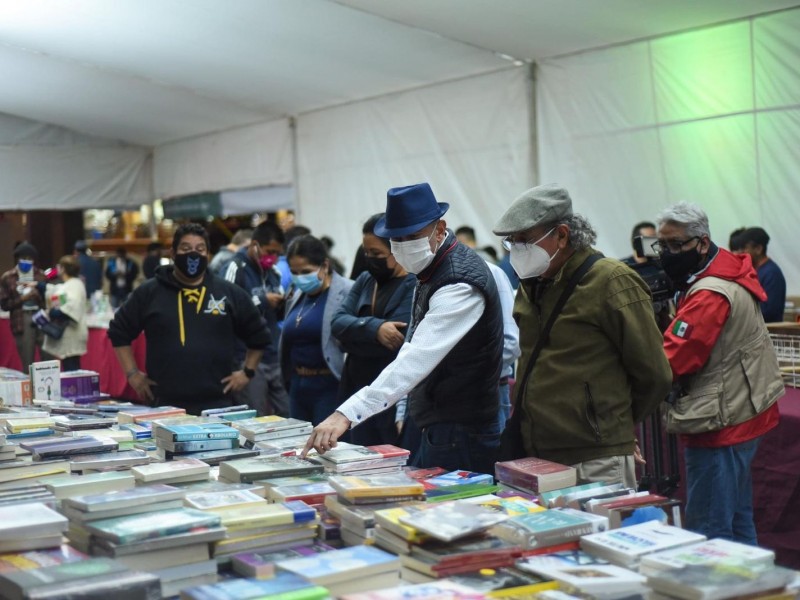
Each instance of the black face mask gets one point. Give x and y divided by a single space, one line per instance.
192 264
378 269
679 267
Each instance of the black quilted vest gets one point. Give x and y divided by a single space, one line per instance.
463 387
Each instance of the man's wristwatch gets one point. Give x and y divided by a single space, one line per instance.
249 372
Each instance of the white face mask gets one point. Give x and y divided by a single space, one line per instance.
531 260
415 255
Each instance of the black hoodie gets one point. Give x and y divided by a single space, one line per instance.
190 333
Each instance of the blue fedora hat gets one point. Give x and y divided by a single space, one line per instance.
409 209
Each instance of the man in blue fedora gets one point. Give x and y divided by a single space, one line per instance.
450 364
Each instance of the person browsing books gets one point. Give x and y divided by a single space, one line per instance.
601 370
726 374
449 365
191 320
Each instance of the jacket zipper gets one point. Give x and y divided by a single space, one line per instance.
591 413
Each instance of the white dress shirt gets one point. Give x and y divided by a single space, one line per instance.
452 311
511 349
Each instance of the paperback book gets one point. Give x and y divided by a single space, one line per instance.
548 528
196 432
247 470
185 468
721 581
341 565
705 553
376 486
261 565
124 530
452 520
284 586
146 494
536 474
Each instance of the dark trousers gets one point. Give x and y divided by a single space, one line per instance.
459 447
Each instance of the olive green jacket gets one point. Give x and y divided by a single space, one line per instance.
603 369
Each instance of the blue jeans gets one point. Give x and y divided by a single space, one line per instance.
453 447
313 398
719 495
505 404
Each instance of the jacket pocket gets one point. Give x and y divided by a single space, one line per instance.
697 412
591 412
762 376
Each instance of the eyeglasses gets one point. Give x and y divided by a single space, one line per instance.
375 255
671 246
508 243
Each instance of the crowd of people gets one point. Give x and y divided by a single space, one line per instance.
421 347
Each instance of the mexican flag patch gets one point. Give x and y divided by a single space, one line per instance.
681 329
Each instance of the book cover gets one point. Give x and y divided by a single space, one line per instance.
285 586
720 581
310 493
261 565
197 535
197 445
345 453
123 530
666 511
17 585
627 545
707 552
261 426
65 486
36 520
591 579
433 590
146 413
109 460
120 585
197 432
513 505
390 519
552 499
343 564
454 478
545 528
146 494
536 474
36 559
223 500
171 469
247 470
19 425
504 582
451 520
268 515
68 446
215 457
46 380
469 550
396 484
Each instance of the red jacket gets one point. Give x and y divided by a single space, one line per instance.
706 312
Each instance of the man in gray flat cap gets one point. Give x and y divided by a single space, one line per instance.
601 369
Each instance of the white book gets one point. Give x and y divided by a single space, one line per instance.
627 545
704 553
223 499
36 520
171 470
591 579
46 380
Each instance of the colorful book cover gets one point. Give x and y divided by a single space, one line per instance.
201 431
592 579
398 484
46 380
345 563
268 424
36 559
286 586
708 552
550 499
310 493
268 515
123 530
390 519
262 564
628 544
503 582
513 506
460 478
25 581
453 520
545 528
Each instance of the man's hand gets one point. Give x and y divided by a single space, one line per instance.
141 384
324 436
389 334
637 454
235 381
274 299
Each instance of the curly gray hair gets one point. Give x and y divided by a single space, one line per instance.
691 216
581 233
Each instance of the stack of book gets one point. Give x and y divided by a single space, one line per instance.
90 578
369 489
363 460
534 475
23 426
458 484
175 471
636 508
347 570
312 489
357 523
66 486
62 447
22 493
284 586
8 451
627 546
139 414
549 528
108 461
139 431
231 413
15 472
177 537
259 468
270 428
259 526
37 526
709 552
67 423
35 559
722 580
261 565
185 440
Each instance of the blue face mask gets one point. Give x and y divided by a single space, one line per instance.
25 266
308 283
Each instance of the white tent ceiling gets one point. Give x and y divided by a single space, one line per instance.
149 72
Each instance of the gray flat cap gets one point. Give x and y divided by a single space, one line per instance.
542 204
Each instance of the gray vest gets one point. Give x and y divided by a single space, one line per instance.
741 378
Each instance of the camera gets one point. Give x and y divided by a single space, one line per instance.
661 288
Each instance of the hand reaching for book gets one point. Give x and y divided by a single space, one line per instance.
141 384
325 435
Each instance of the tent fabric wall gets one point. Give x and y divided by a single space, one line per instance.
710 116
47 167
259 155
468 138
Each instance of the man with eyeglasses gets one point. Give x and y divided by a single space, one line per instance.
254 269
726 375
191 320
602 369
450 363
